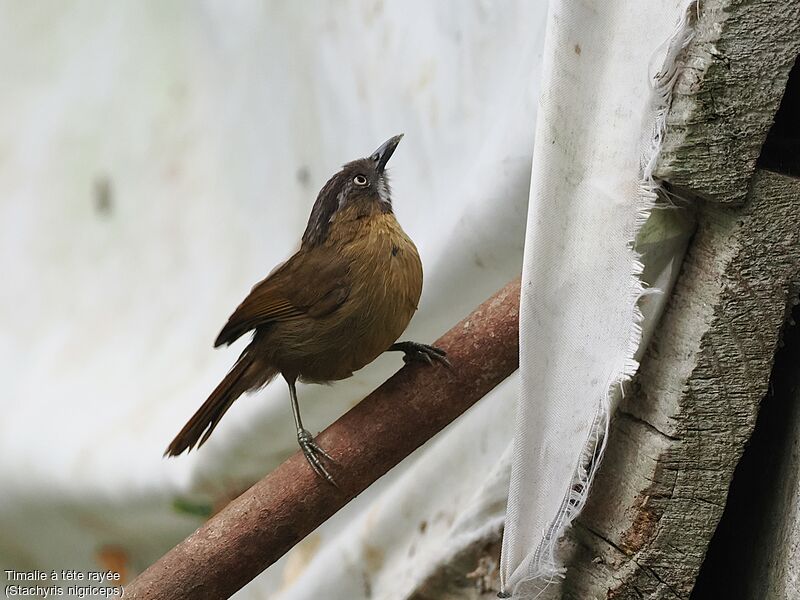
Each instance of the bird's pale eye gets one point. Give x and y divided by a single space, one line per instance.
360 180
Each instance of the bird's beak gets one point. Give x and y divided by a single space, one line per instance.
382 155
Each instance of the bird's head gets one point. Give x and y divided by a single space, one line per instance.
361 187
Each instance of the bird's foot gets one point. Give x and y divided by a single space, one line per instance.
312 451
416 352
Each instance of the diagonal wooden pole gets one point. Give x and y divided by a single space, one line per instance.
266 521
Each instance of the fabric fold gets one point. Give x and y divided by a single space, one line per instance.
598 133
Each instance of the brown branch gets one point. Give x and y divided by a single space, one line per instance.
267 520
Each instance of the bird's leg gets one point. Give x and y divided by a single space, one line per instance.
311 450
414 351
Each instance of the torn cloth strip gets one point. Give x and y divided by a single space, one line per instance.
597 136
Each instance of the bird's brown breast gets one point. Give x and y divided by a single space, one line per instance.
387 283
384 275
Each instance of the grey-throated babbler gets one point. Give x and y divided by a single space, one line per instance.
333 307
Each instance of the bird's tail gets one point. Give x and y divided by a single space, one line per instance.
238 380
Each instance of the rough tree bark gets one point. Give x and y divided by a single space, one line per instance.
727 94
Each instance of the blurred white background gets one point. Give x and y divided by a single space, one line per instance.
159 158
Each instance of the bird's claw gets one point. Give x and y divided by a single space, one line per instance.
312 451
416 352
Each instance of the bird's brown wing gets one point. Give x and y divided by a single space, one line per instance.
310 284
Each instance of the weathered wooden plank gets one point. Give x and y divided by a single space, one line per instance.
680 432
755 551
727 94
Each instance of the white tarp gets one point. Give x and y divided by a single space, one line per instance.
601 115
157 159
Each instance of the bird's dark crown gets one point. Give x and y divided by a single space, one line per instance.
360 183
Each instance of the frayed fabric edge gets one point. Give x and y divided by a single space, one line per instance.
544 566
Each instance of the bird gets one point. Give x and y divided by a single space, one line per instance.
340 301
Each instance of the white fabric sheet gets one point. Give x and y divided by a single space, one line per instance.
597 132
213 125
